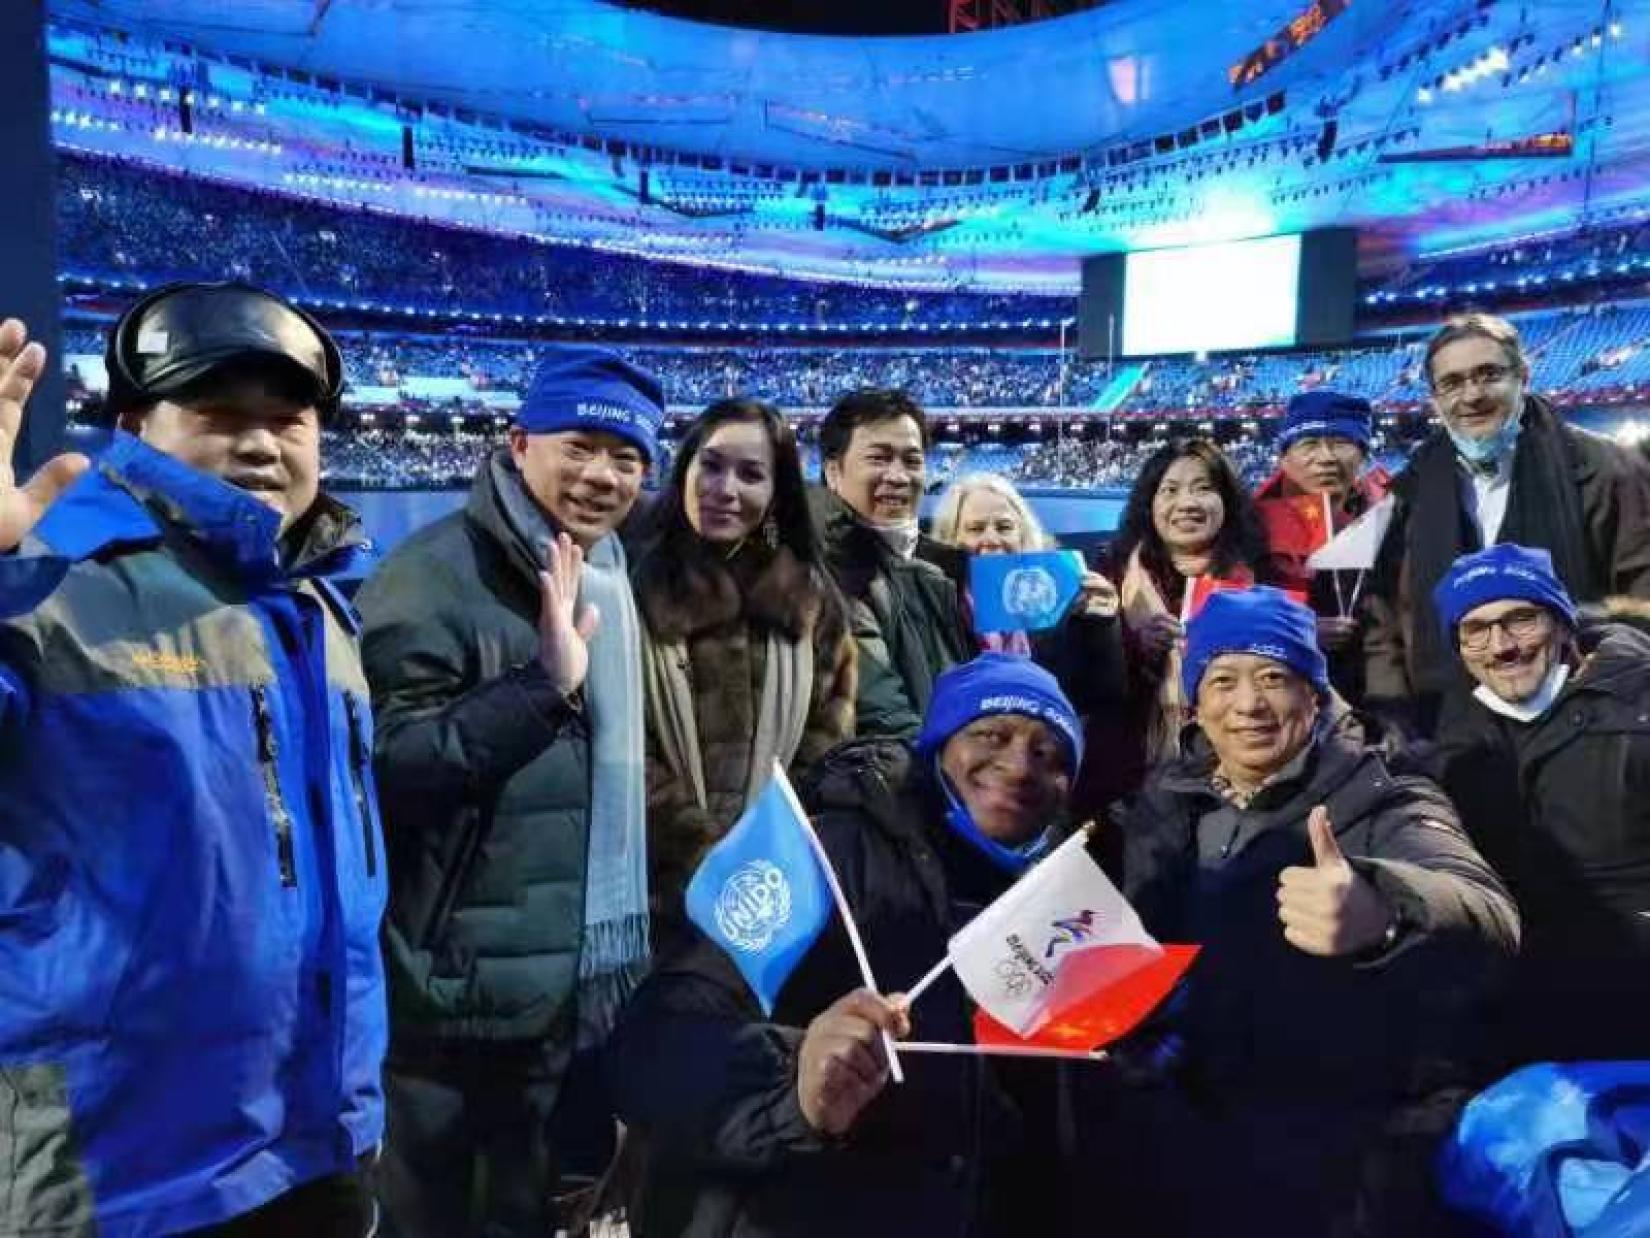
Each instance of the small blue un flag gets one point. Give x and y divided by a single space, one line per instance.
760 893
1023 593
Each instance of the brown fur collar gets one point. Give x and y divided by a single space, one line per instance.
702 591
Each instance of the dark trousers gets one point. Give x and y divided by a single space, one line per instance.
480 1136
338 1206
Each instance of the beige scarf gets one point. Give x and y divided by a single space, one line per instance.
787 679
1141 600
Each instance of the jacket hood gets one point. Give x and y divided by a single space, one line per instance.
1615 659
132 488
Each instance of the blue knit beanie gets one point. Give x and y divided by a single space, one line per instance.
1325 414
999 683
1500 574
1263 621
584 387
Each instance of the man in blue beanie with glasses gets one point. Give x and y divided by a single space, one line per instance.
789 1125
1346 925
1549 761
504 654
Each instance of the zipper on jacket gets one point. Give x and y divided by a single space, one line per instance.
267 748
358 758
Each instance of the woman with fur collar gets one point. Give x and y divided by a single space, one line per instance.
746 651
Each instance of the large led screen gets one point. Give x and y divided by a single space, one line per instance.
1207 298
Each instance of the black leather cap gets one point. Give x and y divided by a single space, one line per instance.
178 334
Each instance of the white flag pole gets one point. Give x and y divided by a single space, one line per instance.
1186 600
1329 536
1356 585
934 973
940 1046
841 907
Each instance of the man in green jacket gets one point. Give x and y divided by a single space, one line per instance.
906 615
502 648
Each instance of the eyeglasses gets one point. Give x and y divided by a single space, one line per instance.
1521 623
1451 385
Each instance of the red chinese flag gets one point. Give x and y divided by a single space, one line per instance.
1100 995
1202 588
1295 526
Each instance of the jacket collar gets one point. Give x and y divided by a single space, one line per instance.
1615 661
1537 421
133 491
1330 762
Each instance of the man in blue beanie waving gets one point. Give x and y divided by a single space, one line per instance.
1549 761
503 651
788 1125
1346 925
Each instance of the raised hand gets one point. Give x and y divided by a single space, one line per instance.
1157 636
22 362
842 1066
1327 909
1335 634
1096 597
564 629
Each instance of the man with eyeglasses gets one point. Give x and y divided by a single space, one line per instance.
1549 763
1500 467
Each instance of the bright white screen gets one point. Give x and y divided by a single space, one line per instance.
1211 297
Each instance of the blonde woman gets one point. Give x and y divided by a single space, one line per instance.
982 514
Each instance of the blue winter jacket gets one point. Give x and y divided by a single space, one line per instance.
192 1014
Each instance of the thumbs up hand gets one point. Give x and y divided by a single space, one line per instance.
1328 909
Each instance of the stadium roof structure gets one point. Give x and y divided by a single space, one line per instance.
995 157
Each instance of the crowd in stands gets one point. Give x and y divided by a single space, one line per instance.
122 221
386 457
1606 254
403 459
1600 354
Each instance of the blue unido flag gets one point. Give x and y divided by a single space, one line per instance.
1023 593
761 894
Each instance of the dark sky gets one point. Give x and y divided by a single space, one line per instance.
813 16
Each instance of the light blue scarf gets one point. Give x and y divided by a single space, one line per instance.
613 952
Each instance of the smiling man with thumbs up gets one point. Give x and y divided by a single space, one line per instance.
1347 929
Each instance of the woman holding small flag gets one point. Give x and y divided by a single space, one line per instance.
983 514
1189 529
1299 1081
763 1093
746 653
